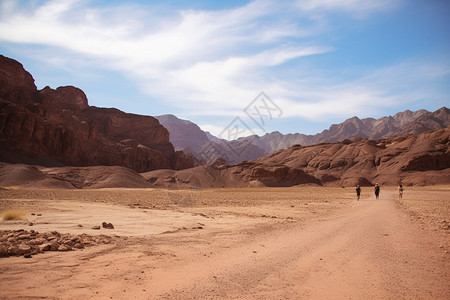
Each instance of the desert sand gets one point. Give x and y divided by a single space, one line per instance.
303 242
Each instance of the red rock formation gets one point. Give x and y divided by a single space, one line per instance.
413 160
16 83
56 127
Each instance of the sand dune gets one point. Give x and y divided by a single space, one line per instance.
70 177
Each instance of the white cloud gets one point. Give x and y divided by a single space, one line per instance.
209 62
212 128
355 7
401 84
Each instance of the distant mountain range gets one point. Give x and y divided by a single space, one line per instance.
187 136
422 159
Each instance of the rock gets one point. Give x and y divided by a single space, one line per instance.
4 251
107 225
37 241
96 227
44 247
13 250
23 248
54 246
11 240
64 248
78 246
24 236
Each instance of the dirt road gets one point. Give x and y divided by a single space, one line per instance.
371 251
368 250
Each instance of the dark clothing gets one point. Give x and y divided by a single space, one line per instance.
358 191
377 191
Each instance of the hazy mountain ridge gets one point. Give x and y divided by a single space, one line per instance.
253 147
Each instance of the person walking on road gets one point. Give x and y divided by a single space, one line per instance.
377 191
358 192
400 191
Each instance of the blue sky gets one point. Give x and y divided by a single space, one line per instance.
320 62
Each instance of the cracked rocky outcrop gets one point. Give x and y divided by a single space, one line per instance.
56 127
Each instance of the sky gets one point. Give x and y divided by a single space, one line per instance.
288 66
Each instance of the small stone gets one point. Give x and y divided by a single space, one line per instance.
37 241
64 248
54 246
33 214
3 251
27 255
79 225
23 248
68 243
78 246
96 227
39 215
13 250
11 240
107 225
24 236
44 247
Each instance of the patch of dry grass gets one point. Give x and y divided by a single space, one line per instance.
13 214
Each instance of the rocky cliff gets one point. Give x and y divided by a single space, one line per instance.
58 127
411 159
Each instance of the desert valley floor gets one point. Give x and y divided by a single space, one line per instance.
304 242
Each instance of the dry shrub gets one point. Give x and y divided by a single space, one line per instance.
13 214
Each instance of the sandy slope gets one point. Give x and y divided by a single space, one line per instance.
321 245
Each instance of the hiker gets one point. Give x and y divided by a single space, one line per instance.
400 191
358 192
377 191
